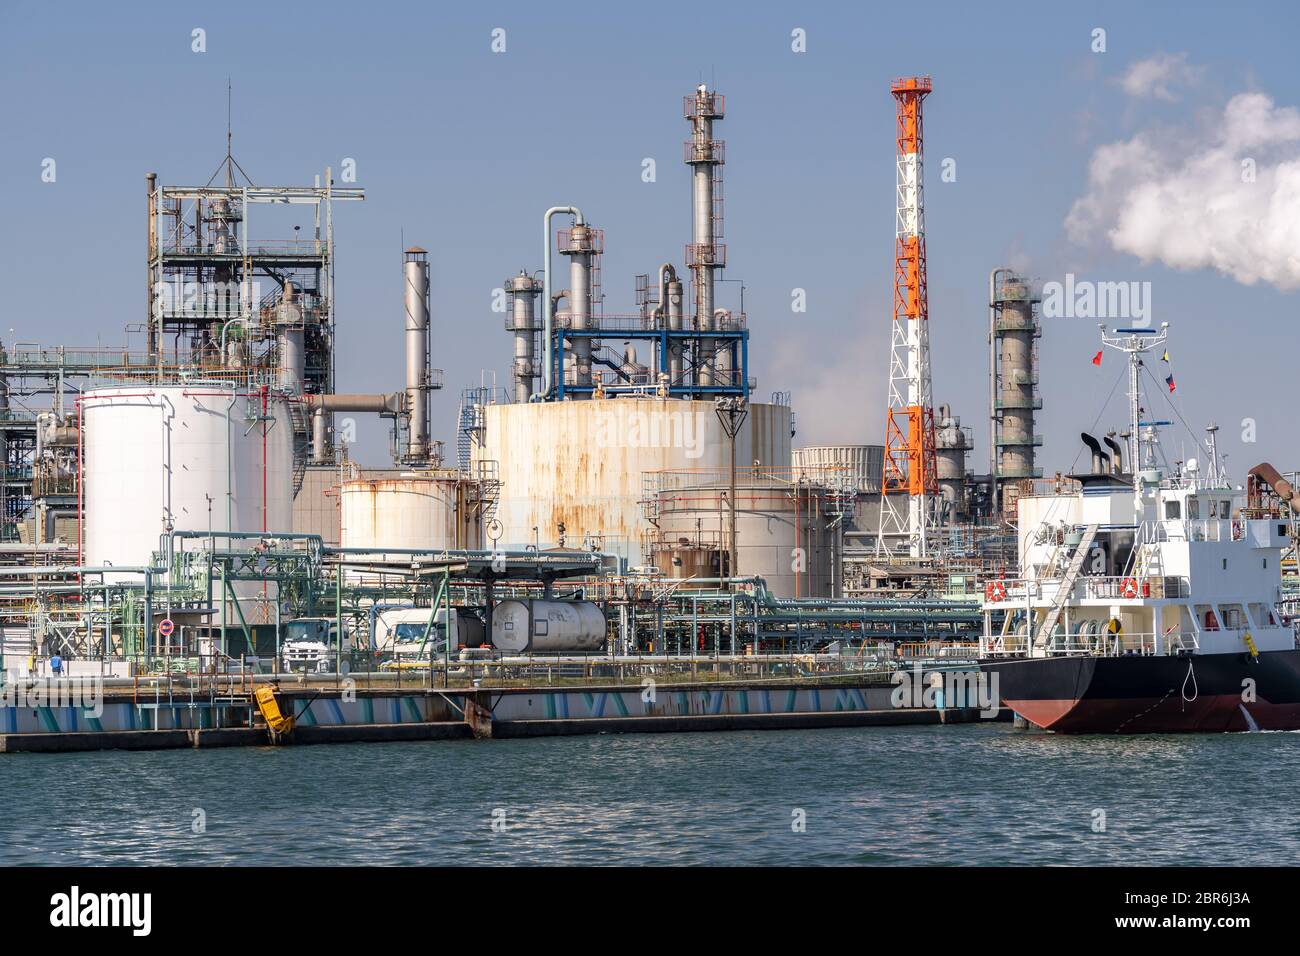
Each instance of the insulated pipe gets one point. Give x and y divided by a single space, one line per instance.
547 311
389 404
1266 473
417 353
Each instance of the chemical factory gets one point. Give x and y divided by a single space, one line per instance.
194 501
193 506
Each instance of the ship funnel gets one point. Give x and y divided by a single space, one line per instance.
1099 457
1118 454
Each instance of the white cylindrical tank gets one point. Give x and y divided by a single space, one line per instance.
862 465
547 627
201 457
413 511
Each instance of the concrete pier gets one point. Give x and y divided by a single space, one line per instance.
332 714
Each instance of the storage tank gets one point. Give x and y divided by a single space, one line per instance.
200 457
547 627
573 472
415 510
773 518
862 465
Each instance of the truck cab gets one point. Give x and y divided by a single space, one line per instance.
311 646
408 635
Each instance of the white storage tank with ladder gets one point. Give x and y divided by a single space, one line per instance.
198 457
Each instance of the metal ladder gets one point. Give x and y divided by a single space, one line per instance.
301 443
1067 586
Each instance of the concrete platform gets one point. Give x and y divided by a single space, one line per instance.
103 740
717 722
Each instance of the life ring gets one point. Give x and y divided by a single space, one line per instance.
995 591
1129 588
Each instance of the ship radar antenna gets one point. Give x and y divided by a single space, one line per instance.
1135 342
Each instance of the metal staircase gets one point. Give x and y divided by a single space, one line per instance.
301 442
1067 586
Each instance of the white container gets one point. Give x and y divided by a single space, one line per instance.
202 457
547 627
412 511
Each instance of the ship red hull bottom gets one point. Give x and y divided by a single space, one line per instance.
1211 693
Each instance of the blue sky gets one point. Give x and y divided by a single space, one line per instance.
461 150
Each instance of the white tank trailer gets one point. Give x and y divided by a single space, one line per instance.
548 627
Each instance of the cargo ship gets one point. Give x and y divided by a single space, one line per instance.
1148 598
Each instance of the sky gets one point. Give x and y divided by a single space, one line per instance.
1122 164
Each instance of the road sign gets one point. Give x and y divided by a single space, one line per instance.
165 627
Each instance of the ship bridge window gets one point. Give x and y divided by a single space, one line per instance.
1173 510
1194 508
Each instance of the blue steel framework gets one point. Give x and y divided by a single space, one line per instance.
663 337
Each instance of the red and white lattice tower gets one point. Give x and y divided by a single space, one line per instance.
910 490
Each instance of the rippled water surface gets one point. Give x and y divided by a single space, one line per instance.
908 795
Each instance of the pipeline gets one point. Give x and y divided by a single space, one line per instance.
547 314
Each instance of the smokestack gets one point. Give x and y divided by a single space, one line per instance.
1098 456
417 353
1118 454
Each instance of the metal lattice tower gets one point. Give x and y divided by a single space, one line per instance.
910 489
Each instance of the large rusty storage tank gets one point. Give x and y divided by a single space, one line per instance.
417 510
784 531
572 473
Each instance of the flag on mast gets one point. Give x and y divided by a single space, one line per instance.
1096 359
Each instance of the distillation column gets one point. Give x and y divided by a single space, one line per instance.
1015 328
521 319
416 269
670 307
579 243
952 442
704 255
293 357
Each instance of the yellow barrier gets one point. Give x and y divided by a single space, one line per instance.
270 709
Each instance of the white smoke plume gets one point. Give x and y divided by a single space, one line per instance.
1223 195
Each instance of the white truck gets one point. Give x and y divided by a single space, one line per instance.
404 634
311 645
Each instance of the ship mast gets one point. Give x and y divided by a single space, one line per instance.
1135 343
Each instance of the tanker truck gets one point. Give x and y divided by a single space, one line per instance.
548 627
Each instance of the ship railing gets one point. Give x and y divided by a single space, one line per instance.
1129 587
1013 590
1123 644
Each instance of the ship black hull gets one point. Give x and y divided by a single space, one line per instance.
1206 693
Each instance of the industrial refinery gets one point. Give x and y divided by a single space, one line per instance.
631 503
